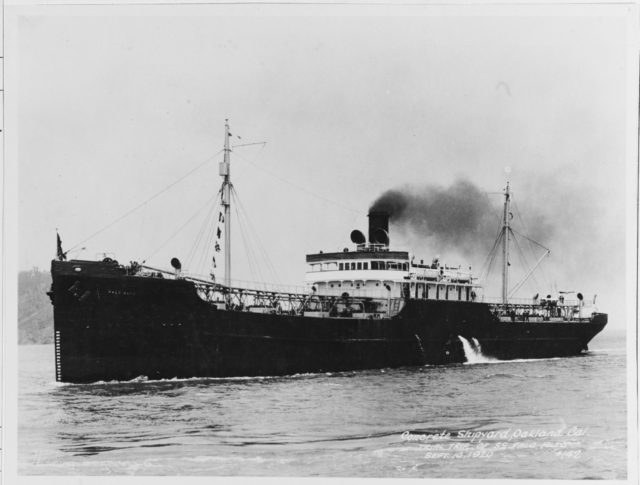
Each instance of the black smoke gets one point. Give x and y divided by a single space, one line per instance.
460 218
560 211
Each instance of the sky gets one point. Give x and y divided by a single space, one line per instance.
114 106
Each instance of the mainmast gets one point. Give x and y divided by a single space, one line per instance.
505 248
226 202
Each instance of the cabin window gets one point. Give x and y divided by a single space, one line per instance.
359 265
340 268
353 265
331 266
365 265
405 266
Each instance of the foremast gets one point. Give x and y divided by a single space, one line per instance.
225 172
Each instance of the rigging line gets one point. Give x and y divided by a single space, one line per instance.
199 236
530 241
251 258
338 204
200 264
496 242
497 239
491 253
157 194
523 257
181 228
262 254
496 214
203 229
521 283
273 273
249 255
527 264
195 256
251 234
527 231
265 256
523 261
485 265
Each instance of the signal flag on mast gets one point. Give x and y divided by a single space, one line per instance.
62 256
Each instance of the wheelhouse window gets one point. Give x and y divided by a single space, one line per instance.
365 265
359 266
340 266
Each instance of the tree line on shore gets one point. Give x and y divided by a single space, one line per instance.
35 313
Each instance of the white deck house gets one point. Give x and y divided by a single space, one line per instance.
373 270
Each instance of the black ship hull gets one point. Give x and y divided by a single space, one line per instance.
112 326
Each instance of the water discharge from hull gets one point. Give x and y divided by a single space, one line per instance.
473 352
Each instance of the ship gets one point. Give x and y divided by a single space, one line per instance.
369 306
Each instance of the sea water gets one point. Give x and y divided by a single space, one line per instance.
551 418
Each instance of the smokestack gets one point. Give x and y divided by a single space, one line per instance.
379 227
